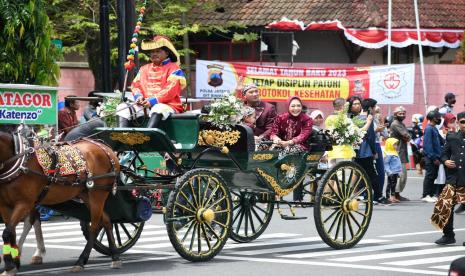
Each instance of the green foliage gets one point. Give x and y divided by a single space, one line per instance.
76 23
26 52
246 37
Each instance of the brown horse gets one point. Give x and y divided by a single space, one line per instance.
23 185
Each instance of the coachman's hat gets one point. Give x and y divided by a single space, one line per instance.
160 42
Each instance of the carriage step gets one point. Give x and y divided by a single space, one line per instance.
286 217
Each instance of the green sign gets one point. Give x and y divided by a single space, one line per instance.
32 104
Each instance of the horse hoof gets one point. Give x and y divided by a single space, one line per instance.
9 272
116 264
36 260
77 268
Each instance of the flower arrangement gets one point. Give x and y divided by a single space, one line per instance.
108 109
225 112
344 131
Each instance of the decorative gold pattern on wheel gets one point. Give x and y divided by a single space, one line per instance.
313 157
262 156
130 138
218 138
278 190
199 215
343 205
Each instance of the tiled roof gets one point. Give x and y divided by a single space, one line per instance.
352 13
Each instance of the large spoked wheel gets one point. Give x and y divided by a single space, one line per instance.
343 205
251 215
125 235
198 215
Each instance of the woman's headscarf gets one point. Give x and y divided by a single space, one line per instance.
316 113
389 147
448 118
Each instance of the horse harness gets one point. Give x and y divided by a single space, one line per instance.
25 149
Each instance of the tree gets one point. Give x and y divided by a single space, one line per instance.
76 22
26 51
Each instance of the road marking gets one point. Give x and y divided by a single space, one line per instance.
425 260
278 235
331 252
294 248
331 264
264 243
155 245
95 266
416 233
401 254
445 267
249 259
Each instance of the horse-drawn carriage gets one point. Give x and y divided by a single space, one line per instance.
221 187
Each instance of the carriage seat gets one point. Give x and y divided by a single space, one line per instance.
182 129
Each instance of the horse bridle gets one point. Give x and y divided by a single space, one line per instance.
22 153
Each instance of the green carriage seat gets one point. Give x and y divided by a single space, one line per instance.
182 130
179 132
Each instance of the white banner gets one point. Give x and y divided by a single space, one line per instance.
388 85
392 84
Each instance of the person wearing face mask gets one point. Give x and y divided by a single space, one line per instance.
448 106
399 131
158 84
432 148
453 159
291 129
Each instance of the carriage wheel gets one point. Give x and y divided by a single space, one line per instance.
309 185
125 235
343 205
251 215
198 217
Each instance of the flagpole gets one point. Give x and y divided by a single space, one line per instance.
389 40
420 49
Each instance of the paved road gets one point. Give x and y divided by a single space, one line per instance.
400 241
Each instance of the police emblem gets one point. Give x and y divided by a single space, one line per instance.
215 73
359 88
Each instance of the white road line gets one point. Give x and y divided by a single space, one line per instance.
445 267
65 240
425 261
260 260
278 235
330 264
81 248
155 245
66 269
293 248
416 233
331 252
263 243
63 234
401 254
